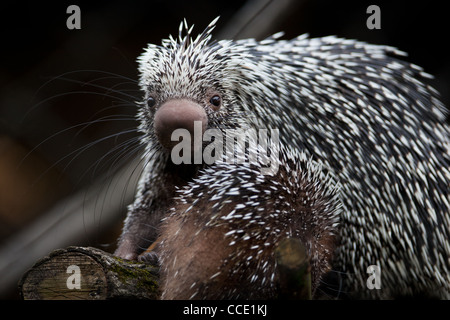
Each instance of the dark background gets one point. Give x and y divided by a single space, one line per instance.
52 80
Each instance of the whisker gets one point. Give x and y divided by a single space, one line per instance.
61 132
122 94
133 150
112 74
116 117
128 147
80 92
108 89
76 153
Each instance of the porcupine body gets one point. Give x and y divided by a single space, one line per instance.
219 241
358 108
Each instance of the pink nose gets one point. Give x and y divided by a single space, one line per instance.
177 114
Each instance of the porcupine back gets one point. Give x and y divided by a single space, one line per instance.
367 115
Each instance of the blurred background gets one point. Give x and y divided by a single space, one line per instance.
68 142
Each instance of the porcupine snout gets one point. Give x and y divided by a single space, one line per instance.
178 114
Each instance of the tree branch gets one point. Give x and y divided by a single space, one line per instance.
79 273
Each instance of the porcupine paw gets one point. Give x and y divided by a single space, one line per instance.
149 257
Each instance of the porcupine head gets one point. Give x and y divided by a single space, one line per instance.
192 87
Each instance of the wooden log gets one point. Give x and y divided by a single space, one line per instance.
85 273
294 270
88 274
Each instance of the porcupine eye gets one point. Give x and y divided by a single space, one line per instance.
215 101
151 102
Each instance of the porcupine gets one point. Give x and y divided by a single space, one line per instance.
219 241
358 108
